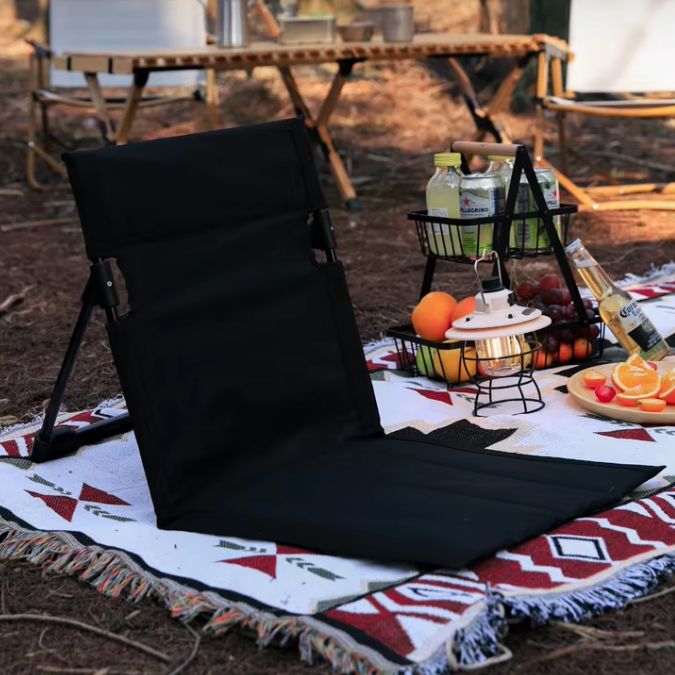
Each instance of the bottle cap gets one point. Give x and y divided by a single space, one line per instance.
447 159
499 158
573 247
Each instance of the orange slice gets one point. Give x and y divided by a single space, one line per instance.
630 397
593 379
625 376
626 400
651 404
669 376
637 361
667 392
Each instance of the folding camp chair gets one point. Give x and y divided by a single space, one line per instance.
622 48
99 25
244 376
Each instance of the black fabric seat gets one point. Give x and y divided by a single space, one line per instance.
244 375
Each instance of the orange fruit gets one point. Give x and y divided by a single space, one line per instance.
651 404
464 307
582 348
449 365
543 359
667 392
433 315
669 376
593 379
565 353
625 377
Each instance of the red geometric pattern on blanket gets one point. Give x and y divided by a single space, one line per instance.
92 494
621 534
63 506
432 599
544 563
21 447
628 434
440 396
267 563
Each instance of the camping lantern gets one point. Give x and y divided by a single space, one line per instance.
498 327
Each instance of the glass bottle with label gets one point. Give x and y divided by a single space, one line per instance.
551 191
625 318
502 166
443 201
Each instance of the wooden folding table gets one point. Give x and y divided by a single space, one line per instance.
346 55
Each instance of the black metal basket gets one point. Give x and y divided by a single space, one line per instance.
441 360
464 239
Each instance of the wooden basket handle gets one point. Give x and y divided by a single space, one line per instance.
474 148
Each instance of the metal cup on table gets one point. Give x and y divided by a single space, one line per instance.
232 23
397 21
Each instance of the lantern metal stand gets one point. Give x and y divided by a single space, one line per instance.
504 356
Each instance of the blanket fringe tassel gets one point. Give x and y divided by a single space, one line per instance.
586 603
476 645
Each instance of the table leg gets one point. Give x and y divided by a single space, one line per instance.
133 99
212 99
100 106
483 116
319 127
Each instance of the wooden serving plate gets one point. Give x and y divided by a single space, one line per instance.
585 397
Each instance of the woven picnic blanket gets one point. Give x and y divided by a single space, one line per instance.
90 516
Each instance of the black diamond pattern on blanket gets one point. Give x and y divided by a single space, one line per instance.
461 433
587 549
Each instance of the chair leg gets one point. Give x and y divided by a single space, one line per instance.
50 442
562 142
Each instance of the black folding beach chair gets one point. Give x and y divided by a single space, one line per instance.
244 376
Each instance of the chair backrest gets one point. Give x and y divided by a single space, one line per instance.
102 26
235 333
622 46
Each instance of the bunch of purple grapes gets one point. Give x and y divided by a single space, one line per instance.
555 301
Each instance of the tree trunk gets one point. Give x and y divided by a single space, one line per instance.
551 17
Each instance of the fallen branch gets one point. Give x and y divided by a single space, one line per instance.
36 223
64 621
651 596
13 299
191 656
599 646
591 632
648 164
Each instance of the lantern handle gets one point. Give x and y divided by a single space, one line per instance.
488 256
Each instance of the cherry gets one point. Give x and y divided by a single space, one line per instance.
604 393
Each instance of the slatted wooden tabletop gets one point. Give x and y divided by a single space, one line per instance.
274 54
